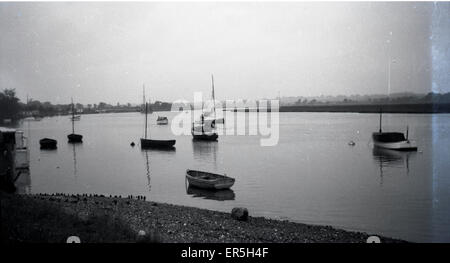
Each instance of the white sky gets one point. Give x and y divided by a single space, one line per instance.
106 51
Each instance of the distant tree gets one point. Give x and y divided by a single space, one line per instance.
102 105
9 104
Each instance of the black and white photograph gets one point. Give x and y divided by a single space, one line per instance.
224 122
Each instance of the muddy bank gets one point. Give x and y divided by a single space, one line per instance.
47 218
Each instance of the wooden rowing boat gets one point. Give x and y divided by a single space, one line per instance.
208 180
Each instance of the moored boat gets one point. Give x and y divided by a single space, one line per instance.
73 137
162 120
75 118
208 180
48 144
204 136
393 140
147 143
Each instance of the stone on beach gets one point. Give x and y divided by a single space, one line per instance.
239 213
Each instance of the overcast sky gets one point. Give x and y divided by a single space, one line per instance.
106 51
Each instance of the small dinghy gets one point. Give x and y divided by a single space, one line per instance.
207 180
48 144
162 120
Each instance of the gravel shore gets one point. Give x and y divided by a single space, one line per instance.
53 218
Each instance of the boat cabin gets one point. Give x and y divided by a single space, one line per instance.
388 137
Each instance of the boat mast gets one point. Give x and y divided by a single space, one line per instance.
380 120
143 95
145 121
202 117
73 117
213 96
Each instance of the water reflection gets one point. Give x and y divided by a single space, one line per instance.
218 195
74 155
158 151
386 158
204 151
147 167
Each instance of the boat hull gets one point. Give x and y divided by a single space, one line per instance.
148 143
398 146
210 181
220 121
48 144
205 137
162 122
75 138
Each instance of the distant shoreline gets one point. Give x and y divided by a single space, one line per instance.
372 108
94 219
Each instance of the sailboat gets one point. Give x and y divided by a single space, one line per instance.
393 140
205 130
147 143
73 137
149 109
207 114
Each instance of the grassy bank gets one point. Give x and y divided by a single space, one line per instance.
47 218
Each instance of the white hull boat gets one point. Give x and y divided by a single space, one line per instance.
406 145
393 140
162 121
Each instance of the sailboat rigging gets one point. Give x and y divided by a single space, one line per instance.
73 137
147 143
198 129
393 140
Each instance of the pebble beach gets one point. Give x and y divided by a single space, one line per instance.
96 218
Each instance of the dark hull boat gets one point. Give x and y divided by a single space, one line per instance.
205 136
208 180
205 130
393 140
48 144
156 144
74 138
148 143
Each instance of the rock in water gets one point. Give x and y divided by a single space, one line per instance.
239 213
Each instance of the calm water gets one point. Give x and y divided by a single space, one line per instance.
311 176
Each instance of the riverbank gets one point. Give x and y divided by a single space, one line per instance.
53 218
372 108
